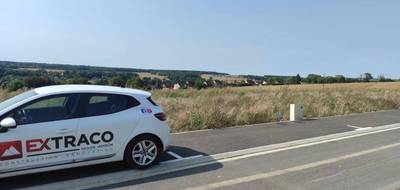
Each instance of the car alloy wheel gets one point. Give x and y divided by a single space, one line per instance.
144 152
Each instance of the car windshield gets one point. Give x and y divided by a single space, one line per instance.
16 99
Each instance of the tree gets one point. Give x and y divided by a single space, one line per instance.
168 83
340 79
314 79
330 79
35 82
291 80
5 80
78 80
199 83
146 82
382 78
366 77
298 79
117 81
275 80
210 82
156 83
101 81
15 85
134 82
1 72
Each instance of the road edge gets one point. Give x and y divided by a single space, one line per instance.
164 168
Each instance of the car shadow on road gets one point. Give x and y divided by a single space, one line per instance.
187 172
31 180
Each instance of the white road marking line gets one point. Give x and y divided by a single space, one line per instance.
358 128
251 178
363 128
181 159
355 127
229 159
174 155
124 176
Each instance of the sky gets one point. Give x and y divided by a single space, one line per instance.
263 37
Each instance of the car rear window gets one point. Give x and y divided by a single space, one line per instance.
103 104
151 101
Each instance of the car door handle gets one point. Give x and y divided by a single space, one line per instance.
64 131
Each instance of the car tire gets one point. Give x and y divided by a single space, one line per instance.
143 152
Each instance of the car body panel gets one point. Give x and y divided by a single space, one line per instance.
36 149
120 125
89 147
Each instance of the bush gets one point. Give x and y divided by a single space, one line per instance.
15 85
117 81
35 82
134 82
78 80
199 83
100 81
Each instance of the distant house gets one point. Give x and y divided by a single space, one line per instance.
248 82
177 86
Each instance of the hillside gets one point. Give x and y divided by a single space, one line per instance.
10 65
72 74
17 75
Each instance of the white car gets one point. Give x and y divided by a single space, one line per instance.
67 126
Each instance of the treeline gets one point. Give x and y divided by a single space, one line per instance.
17 75
365 77
12 83
10 65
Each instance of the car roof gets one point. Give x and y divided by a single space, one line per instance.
58 89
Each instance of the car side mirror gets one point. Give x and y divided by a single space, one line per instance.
8 123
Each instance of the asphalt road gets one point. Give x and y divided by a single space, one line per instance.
211 142
237 138
367 162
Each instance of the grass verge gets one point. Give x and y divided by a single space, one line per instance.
217 108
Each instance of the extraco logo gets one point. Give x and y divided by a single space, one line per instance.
13 149
10 150
67 142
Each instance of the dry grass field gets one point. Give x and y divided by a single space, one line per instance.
150 75
226 78
216 108
37 69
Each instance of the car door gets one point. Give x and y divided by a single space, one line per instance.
106 121
46 129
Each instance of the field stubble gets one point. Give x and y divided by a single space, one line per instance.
192 109
216 108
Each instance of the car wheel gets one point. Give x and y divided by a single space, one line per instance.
143 152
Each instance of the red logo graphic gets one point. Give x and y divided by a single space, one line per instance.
147 110
10 150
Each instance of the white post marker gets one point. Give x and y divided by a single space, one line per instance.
296 112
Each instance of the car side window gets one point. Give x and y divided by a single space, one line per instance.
47 109
103 104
